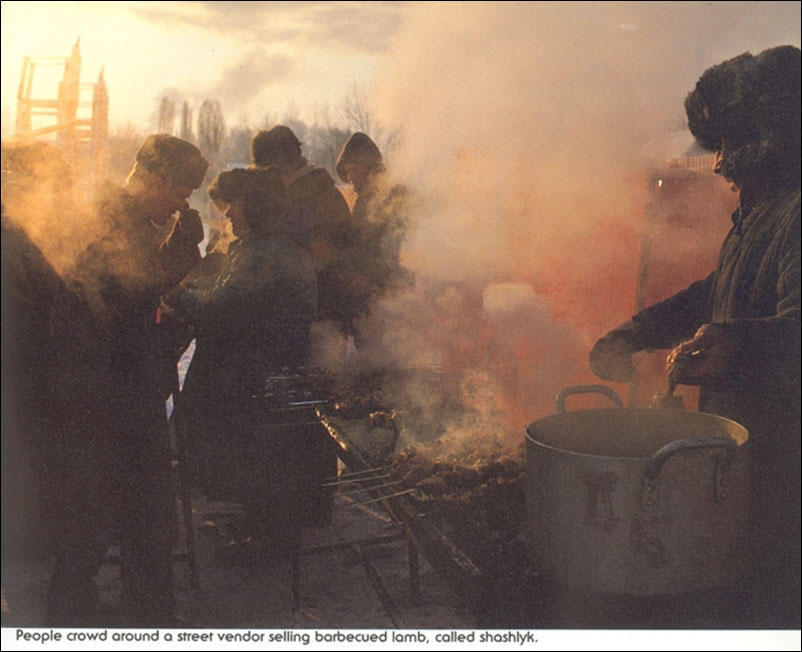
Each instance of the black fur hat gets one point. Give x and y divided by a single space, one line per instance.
274 145
749 107
260 189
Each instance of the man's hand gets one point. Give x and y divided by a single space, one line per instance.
703 359
190 224
170 300
611 356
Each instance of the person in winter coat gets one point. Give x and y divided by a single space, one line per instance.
56 449
149 243
316 204
736 333
251 322
380 218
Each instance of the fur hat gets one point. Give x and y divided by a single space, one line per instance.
269 147
749 108
362 150
260 189
176 161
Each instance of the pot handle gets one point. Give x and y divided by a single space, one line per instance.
586 389
649 529
727 446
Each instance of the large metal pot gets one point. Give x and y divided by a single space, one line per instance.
633 501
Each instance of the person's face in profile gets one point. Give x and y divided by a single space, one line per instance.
358 176
162 198
236 213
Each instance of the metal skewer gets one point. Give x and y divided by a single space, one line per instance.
350 474
362 489
395 495
352 481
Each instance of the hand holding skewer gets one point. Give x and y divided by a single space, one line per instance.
702 359
668 399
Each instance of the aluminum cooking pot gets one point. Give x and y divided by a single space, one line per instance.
634 501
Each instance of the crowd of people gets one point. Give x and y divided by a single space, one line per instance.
91 352
95 349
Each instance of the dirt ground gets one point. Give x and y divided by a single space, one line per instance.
335 590
235 590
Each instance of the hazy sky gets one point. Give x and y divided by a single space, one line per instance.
274 58
255 57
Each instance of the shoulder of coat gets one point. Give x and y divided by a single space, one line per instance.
312 179
110 196
786 208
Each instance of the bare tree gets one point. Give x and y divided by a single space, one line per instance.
166 115
186 123
211 128
236 150
356 110
324 140
268 120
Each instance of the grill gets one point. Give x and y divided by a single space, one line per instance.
457 535
423 536
291 451
298 452
300 436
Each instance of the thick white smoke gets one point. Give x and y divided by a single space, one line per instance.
530 129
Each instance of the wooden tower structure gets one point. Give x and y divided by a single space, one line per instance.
78 115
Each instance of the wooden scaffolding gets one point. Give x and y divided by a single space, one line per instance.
83 138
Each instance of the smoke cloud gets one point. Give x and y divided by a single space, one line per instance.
41 194
530 132
530 129
249 76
